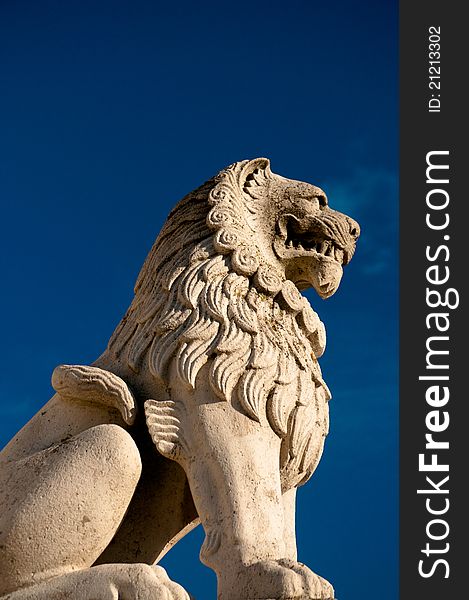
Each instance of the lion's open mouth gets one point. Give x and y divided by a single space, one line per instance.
304 245
294 243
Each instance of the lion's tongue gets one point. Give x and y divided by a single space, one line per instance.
326 276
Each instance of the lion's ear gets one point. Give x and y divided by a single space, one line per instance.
254 175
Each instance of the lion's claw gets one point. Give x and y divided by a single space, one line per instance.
316 586
278 580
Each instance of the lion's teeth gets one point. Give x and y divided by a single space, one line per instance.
290 244
300 247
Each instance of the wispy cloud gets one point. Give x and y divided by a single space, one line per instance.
371 197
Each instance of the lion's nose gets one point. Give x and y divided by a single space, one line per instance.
354 228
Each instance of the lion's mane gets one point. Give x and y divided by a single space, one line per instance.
206 294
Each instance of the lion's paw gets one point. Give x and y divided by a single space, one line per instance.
106 582
152 582
314 585
278 580
135 582
174 591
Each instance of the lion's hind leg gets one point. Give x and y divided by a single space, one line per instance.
62 506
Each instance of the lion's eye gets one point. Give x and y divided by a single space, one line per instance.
319 201
314 200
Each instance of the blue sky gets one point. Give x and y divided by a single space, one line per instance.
109 113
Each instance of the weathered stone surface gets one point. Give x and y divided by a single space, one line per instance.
208 404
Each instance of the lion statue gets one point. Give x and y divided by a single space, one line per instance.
207 406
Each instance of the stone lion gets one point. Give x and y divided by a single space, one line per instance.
207 406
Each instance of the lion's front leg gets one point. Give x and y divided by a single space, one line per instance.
236 486
232 464
250 538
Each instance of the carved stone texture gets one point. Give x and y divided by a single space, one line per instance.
207 406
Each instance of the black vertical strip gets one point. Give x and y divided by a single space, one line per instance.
434 269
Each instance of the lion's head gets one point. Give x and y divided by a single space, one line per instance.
277 228
221 286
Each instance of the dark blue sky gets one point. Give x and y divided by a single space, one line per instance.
109 113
